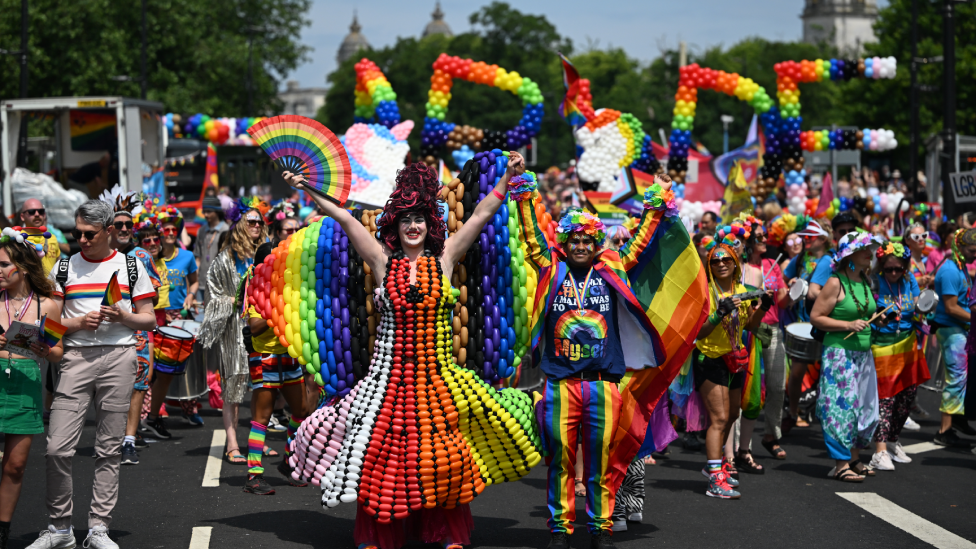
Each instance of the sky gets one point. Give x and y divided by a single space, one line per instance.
640 27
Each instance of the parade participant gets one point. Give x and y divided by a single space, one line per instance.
283 219
33 214
617 237
98 367
847 403
814 267
782 237
843 223
122 240
943 251
899 362
914 239
181 272
207 246
951 323
222 329
764 273
410 259
709 223
27 298
720 358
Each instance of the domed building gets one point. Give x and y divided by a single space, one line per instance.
352 43
437 24
845 24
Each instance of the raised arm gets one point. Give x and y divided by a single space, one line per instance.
658 204
366 245
457 245
532 234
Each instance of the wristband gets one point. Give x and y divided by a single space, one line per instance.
714 319
498 194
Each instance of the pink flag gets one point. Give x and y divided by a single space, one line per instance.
826 196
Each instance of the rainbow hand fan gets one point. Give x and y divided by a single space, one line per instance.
302 145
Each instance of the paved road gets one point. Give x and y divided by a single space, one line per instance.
792 505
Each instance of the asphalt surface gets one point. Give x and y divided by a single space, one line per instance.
793 504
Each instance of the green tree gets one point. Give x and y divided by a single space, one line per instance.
196 56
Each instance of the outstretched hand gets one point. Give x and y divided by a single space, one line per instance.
516 164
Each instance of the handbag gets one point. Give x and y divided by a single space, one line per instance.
764 333
737 360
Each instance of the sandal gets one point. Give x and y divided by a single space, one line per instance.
580 488
773 447
860 469
848 475
269 452
649 460
745 463
235 456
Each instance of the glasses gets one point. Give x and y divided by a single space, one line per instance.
919 237
290 231
619 241
894 270
120 224
793 241
169 231
256 222
151 240
89 235
38 211
761 237
809 237
727 260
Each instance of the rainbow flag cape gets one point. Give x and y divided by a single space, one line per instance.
568 109
899 366
51 331
754 386
113 292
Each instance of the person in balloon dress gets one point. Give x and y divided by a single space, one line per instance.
418 437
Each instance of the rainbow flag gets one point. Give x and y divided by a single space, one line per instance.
113 292
51 331
568 108
92 130
754 387
445 173
899 366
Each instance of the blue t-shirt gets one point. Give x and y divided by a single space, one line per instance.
814 272
951 281
903 294
177 269
583 342
57 234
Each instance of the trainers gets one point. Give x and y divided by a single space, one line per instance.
51 539
950 439
910 425
602 540
559 540
276 426
155 427
919 412
98 539
141 442
635 517
960 424
882 462
619 526
286 471
129 455
255 484
718 487
193 419
731 481
727 469
897 453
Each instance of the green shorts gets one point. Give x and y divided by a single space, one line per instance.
20 397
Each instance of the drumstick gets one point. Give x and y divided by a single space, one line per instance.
764 273
873 318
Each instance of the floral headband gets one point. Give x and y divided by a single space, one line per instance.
279 212
147 217
747 222
728 235
576 220
896 249
21 235
522 186
852 242
241 207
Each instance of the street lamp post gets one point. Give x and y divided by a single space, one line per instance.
726 120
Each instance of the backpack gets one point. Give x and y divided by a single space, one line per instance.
61 272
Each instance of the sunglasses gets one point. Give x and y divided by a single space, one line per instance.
169 231
256 222
120 224
793 241
89 235
151 240
761 237
719 261
38 211
619 241
894 270
919 237
290 231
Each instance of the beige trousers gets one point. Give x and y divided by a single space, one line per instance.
105 375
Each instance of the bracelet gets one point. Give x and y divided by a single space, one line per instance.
498 194
714 319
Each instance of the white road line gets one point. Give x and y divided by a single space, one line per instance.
921 447
907 521
201 537
211 475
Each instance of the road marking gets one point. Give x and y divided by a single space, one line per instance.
921 447
201 536
211 475
907 521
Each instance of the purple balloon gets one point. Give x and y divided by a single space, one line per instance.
489 371
344 317
485 282
343 298
488 301
490 233
496 337
344 260
347 360
488 322
491 173
489 346
484 243
346 338
341 385
491 158
483 164
336 328
483 183
336 307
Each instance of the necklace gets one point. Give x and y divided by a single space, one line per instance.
580 308
6 304
861 308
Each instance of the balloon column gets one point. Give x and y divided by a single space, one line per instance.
612 140
219 131
375 98
438 133
692 78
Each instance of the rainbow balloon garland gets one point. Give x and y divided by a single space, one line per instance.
375 98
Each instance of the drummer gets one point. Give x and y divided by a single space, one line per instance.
783 237
915 238
898 380
813 267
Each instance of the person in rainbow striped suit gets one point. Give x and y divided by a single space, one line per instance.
653 294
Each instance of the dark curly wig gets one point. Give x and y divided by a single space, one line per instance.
417 190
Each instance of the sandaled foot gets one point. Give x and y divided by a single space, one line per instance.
235 456
848 475
746 464
773 447
580 488
269 452
862 470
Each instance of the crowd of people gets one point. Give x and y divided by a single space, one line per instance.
802 317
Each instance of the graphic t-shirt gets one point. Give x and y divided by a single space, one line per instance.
163 290
586 340
83 294
950 281
903 294
178 267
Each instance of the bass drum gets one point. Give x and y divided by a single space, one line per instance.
193 384
800 344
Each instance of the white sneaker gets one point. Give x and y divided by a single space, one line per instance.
275 425
910 425
898 454
881 461
635 517
98 539
619 526
51 539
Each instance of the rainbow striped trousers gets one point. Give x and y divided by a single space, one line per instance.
579 412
